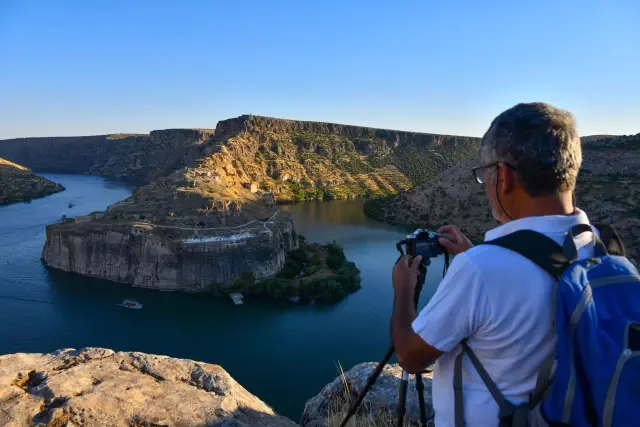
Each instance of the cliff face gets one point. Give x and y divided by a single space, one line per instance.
306 160
99 387
608 191
138 158
168 257
19 184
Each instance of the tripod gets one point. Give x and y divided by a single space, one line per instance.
404 382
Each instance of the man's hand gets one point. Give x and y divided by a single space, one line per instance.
453 240
405 274
413 352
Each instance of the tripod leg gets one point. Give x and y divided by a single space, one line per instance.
402 399
423 409
370 381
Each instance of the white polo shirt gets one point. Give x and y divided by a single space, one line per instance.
501 302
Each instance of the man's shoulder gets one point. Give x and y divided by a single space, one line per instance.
485 258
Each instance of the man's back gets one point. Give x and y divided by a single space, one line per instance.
502 303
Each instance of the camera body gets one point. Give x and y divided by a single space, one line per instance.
425 243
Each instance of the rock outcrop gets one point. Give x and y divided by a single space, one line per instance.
328 408
608 190
99 387
19 184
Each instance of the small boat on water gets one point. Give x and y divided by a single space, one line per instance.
129 303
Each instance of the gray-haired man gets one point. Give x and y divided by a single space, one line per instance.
497 300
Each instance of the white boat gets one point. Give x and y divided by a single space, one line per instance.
129 303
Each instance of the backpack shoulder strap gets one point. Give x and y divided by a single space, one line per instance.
538 248
506 408
611 239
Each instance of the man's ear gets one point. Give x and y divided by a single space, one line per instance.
506 177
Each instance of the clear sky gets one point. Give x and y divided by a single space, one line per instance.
102 66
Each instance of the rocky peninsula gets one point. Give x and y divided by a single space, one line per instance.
19 184
204 214
100 387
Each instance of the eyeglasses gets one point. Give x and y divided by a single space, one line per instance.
478 171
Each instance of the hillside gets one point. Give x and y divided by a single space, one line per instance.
19 184
294 159
608 190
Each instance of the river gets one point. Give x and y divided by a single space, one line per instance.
283 353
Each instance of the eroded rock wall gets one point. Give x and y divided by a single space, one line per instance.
147 257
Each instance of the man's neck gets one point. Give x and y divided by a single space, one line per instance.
557 204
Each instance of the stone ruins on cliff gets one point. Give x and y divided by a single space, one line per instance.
99 387
19 184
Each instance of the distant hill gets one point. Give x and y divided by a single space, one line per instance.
19 184
296 160
591 138
608 190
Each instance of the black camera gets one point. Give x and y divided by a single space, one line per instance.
422 242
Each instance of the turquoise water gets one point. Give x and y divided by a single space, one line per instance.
282 353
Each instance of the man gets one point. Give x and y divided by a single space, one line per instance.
496 299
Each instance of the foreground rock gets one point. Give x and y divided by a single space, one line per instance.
19 184
329 407
607 189
98 387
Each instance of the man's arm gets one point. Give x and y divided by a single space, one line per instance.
413 353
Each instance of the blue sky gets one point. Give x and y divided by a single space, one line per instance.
98 66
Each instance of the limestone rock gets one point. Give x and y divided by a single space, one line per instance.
19 184
99 387
329 407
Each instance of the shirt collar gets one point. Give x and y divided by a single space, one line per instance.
541 224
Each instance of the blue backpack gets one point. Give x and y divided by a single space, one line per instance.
593 378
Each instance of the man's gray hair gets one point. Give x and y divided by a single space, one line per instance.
541 142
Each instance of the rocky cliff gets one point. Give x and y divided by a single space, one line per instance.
305 160
294 159
99 387
19 184
127 157
608 190
168 257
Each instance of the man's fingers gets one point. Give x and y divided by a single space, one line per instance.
447 229
415 263
447 243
